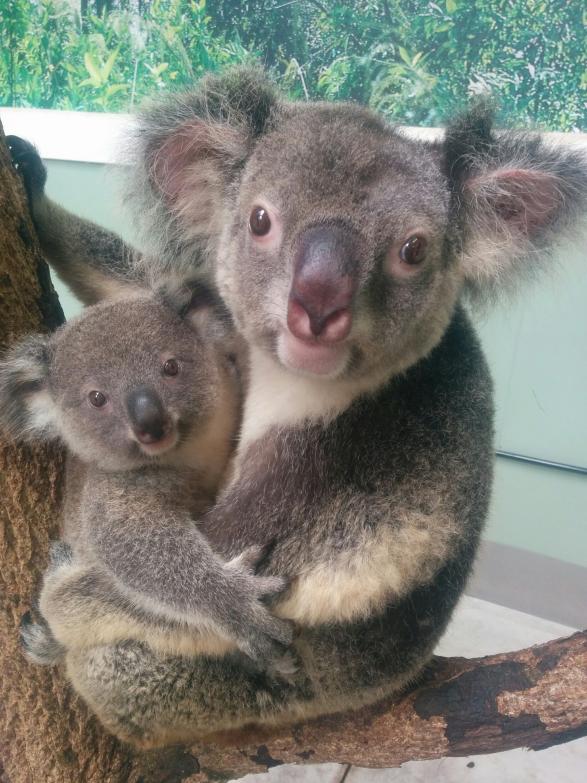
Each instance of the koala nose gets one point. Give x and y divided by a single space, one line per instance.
147 415
324 284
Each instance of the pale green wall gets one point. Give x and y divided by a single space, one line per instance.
537 347
92 191
541 509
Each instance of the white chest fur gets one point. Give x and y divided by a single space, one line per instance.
278 397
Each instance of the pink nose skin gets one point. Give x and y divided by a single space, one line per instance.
319 305
324 284
331 327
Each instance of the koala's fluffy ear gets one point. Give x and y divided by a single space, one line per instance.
514 198
201 307
27 410
188 149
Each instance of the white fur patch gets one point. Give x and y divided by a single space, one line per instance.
277 397
113 290
44 414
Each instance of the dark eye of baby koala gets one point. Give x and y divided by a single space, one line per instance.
259 222
171 368
97 399
413 251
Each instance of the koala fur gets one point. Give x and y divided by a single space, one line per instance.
344 252
143 465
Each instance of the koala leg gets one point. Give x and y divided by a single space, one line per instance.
95 263
151 701
83 607
38 643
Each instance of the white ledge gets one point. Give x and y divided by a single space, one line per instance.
94 137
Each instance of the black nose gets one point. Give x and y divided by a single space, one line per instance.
147 415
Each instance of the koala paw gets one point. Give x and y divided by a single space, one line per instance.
257 632
28 163
38 643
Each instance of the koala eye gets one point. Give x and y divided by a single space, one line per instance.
259 222
97 399
171 368
413 251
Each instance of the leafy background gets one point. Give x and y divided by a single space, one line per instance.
413 60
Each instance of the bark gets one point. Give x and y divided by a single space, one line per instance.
533 698
45 732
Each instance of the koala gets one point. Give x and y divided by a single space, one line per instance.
144 394
345 253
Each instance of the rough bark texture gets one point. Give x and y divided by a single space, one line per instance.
533 698
45 732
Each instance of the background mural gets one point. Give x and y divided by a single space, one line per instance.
411 59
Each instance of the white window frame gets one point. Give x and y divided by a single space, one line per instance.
89 137
95 137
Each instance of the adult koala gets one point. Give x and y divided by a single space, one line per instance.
343 251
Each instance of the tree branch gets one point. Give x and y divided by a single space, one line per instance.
533 698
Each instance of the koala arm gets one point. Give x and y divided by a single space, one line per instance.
95 263
145 540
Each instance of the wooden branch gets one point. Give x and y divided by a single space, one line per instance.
532 698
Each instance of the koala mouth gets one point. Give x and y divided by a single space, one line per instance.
155 448
312 356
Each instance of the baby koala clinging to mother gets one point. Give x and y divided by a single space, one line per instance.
144 392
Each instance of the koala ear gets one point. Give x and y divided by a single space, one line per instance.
27 410
515 198
201 307
188 149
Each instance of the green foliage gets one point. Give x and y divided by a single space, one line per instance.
107 62
414 60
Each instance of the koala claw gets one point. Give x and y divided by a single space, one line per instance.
283 667
250 624
39 645
28 163
247 561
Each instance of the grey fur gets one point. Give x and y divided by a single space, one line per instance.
129 513
93 262
368 484
39 644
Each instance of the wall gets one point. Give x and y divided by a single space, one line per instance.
537 347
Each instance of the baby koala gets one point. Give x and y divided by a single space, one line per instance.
144 393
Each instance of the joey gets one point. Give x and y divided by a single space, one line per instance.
145 395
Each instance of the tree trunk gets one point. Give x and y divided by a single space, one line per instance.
46 734
536 698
